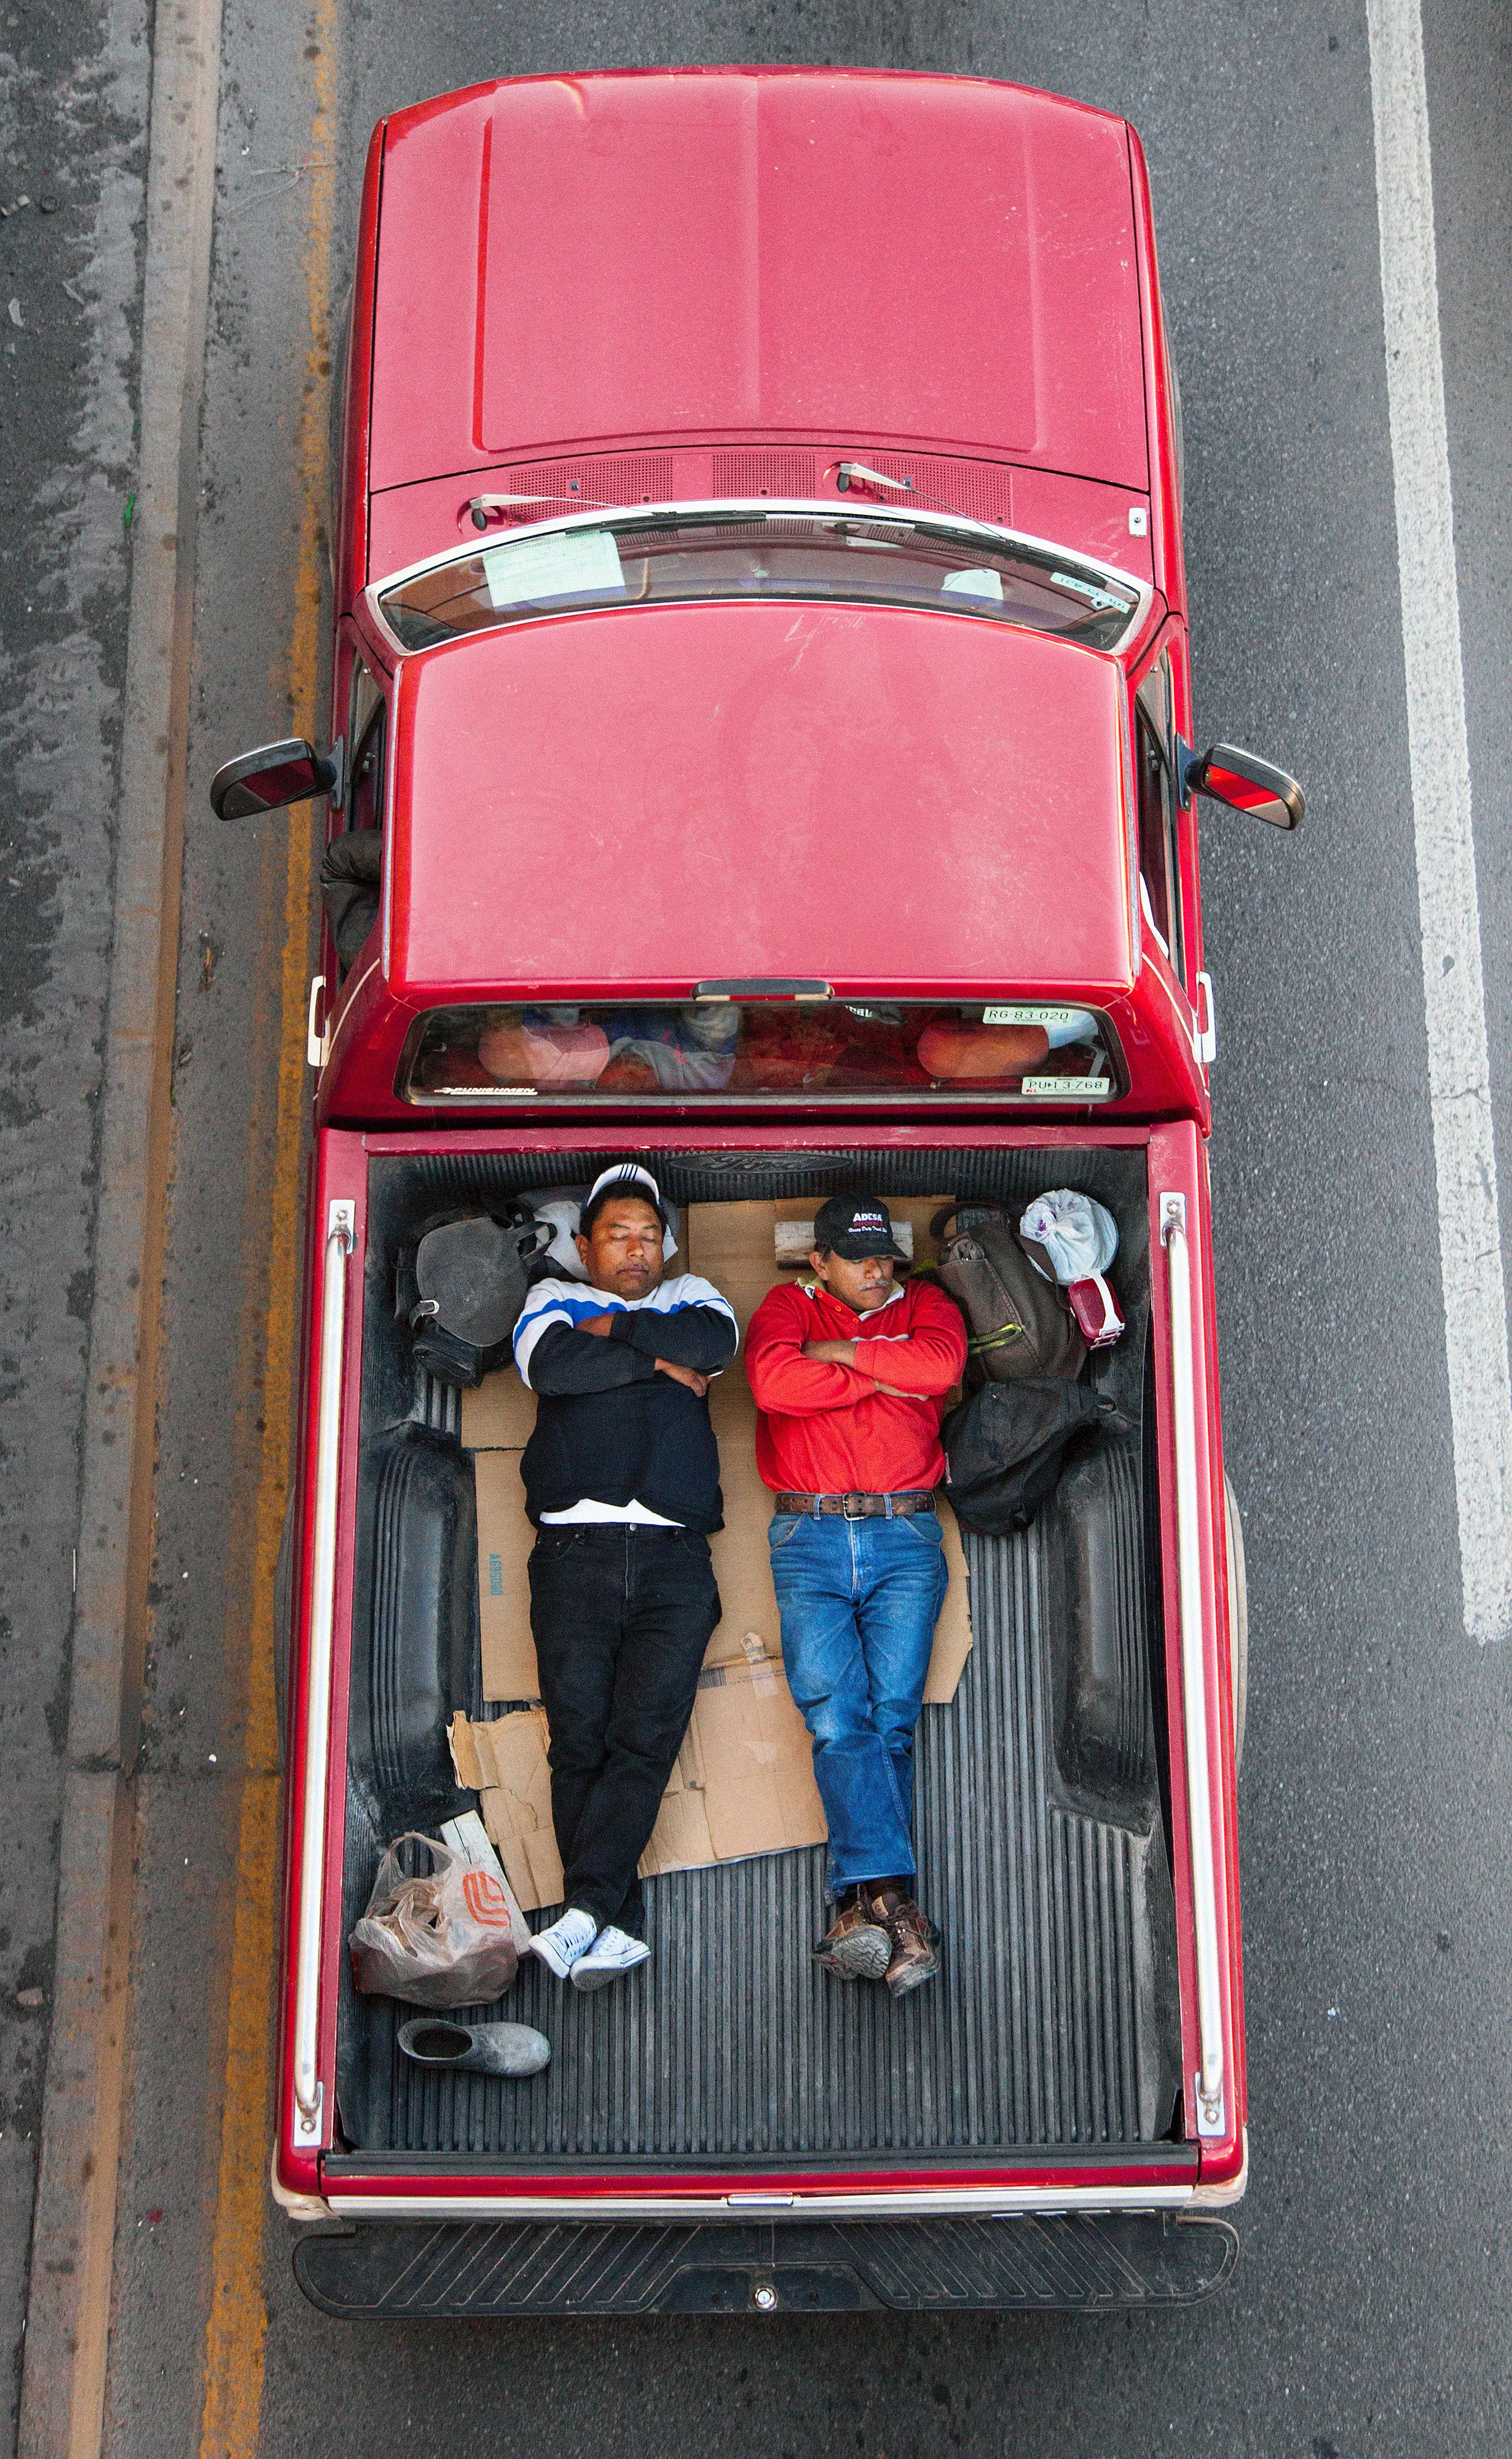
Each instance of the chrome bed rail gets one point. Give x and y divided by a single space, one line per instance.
1209 2076
309 2090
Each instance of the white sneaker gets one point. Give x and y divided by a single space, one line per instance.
567 1940
611 1953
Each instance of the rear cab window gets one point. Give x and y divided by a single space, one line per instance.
762 1049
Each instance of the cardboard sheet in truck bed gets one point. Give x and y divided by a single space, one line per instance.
744 1784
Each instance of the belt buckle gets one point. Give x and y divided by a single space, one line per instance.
847 1500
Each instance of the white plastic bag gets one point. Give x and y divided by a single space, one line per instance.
563 1213
441 1939
1080 1237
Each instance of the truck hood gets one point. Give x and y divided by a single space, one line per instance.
640 800
585 263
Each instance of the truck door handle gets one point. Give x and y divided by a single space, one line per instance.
1207 1021
316 1043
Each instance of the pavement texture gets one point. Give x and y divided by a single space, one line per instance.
74 84
1372 2308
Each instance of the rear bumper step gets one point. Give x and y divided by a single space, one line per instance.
476 2269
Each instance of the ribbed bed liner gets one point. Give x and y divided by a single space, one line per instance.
1054 2021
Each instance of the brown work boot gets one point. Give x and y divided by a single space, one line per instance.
854 1946
914 1937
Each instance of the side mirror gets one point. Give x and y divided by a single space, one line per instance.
1246 783
277 773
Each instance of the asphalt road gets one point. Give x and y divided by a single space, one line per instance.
73 81
1373 2310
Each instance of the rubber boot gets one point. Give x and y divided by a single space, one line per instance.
474 2049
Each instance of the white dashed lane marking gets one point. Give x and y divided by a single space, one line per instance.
1458 1069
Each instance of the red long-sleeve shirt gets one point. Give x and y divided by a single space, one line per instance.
827 1429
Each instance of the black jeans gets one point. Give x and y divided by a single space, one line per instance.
621 1617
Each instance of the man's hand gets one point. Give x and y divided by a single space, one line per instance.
697 1384
599 1325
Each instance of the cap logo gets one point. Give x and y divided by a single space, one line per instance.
627 1174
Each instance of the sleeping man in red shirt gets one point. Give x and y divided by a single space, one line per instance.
850 1373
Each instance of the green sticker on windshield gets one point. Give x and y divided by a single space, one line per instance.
1088 590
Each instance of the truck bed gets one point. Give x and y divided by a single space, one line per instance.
1042 1842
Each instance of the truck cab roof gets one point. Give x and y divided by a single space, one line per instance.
639 799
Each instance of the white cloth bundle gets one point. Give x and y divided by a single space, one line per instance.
1079 1236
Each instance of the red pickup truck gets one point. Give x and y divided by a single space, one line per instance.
761 744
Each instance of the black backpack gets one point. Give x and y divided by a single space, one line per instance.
461 1289
1005 1447
1020 1323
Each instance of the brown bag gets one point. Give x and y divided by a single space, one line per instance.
1020 1323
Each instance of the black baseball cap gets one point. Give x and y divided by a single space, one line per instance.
853 1225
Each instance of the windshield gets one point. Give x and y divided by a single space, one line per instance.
1027 1053
660 557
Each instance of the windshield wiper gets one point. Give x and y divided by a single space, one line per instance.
850 470
481 506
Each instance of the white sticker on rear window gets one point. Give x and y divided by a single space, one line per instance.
575 564
1066 1088
1045 1016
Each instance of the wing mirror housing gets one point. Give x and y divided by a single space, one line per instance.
1227 775
275 774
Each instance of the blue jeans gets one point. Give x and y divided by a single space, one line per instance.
859 1600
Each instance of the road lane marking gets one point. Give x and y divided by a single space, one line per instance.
1454 997
237 2322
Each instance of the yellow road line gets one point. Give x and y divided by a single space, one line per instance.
238 2317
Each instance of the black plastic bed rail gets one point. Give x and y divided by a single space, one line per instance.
472 2270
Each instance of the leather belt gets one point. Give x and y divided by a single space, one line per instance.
856 1507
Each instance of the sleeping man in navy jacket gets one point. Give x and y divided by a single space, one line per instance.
622 1481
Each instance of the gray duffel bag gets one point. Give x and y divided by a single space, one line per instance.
463 1293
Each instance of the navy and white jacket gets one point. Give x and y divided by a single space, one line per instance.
608 1427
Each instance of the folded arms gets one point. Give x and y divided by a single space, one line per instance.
799 1377
602 1350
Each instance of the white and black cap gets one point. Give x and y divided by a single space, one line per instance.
629 1178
